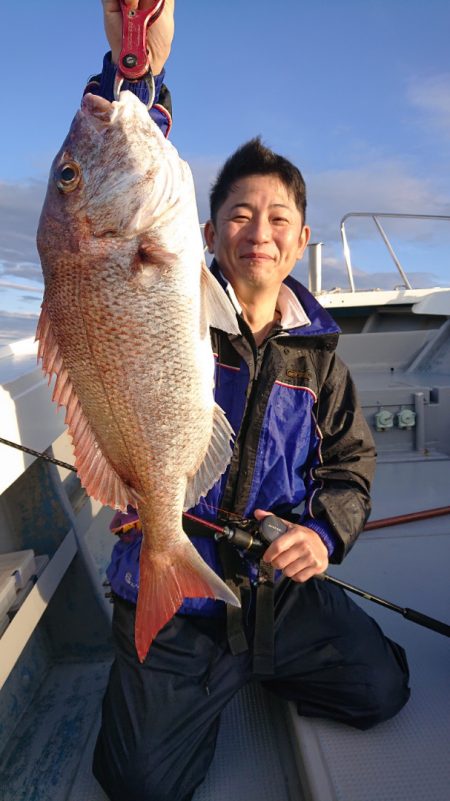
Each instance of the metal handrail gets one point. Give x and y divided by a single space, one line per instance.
375 215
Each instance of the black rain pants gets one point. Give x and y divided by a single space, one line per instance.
161 718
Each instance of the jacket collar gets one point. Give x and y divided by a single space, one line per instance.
316 319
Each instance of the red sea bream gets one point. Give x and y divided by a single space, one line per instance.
125 328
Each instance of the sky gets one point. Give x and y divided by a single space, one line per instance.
355 92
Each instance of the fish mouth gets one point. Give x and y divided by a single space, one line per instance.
98 110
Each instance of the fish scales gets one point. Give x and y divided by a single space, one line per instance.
124 326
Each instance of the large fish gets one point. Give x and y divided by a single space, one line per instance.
125 327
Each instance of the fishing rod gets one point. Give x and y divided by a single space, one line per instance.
38 454
254 537
271 527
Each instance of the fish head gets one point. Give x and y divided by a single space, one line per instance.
115 177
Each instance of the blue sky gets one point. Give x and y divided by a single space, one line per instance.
356 92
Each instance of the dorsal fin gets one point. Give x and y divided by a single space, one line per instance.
95 472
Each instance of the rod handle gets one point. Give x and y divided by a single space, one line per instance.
428 622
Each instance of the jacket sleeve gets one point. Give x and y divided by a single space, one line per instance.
161 110
339 479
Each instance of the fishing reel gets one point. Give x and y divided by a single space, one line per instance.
253 536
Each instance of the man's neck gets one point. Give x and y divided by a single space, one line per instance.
261 315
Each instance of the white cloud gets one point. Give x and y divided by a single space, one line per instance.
204 172
431 96
20 207
15 326
382 186
20 287
22 270
334 276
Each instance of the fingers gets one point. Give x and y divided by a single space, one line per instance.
112 20
159 33
159 37
114 5
299 572
299 553
110 6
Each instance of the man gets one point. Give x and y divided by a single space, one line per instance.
304 452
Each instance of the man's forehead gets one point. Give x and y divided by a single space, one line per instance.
270 188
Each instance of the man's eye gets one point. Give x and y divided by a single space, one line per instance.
240 218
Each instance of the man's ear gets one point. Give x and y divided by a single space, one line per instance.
303 240
209 234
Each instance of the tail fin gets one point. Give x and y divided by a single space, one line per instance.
165 581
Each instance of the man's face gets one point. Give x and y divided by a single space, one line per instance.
258 235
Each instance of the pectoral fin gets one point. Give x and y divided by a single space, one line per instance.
218 311
215 462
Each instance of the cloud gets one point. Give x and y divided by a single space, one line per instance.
24 270
383 186
334 276
204 172
15 326
20 206
20 287
431 96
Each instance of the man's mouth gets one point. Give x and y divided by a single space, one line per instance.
256 256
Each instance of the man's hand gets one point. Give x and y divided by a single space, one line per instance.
299 553
159 34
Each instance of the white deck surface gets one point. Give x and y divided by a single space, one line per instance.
406 758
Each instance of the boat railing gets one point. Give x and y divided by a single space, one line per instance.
375 216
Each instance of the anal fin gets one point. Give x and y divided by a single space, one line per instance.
95 472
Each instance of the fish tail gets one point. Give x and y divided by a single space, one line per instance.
164 582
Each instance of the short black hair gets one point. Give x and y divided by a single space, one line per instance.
254 158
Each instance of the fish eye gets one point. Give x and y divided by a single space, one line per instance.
68 176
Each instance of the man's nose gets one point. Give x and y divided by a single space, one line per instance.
259 230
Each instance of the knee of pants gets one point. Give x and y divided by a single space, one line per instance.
135 781
137 786
146 776
150 790
388 691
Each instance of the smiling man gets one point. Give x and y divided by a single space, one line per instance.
303 451
257 235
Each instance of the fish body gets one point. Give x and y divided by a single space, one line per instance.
124 325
